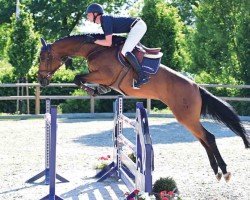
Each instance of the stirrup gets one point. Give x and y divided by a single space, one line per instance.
138 83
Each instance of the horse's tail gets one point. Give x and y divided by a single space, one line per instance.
223 112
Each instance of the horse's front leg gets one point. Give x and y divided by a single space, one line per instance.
93 77
80 81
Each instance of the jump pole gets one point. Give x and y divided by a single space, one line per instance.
52 157
45 172
135 175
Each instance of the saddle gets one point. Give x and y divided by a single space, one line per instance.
149 58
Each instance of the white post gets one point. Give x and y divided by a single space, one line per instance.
17 8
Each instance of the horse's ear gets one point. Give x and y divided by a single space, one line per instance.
43 42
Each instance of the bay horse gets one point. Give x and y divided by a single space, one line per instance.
185 98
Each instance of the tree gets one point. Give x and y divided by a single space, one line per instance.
4 34
221 45
22 44
55 19
186 10
221 40
7 9
166 30
22 48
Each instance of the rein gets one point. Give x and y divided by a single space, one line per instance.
96 50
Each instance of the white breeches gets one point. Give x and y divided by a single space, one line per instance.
134 36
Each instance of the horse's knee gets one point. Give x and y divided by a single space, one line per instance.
77 80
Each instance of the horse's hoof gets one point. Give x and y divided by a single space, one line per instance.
218 176
227 176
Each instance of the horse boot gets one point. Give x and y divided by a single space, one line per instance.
142 78
89 90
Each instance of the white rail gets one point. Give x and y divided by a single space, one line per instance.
37 97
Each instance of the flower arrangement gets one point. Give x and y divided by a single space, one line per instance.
166 189
103 161
137 195
169 195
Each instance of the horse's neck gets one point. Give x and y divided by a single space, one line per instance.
69 48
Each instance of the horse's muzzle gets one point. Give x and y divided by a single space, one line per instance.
43 81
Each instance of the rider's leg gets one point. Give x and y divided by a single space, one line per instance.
134 37
142 78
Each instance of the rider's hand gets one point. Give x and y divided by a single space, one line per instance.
89 39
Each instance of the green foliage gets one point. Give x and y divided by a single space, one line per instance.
242 41
6 72
186 9
4 34
7 76
7 9
166 30
76 106
100 166
22 45
79 65
220 44
164 184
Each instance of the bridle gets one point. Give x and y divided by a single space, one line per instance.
48 72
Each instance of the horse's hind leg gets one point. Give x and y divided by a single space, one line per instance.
212 160
186 106
209 139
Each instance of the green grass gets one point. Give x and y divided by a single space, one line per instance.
162 111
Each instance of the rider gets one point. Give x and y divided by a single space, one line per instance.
135 27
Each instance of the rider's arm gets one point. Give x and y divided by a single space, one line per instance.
106 42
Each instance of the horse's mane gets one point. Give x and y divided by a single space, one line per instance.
95 35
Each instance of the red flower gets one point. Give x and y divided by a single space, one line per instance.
163 193
104 158
170 193
136 191
165 198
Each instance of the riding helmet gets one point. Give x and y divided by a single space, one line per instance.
94 8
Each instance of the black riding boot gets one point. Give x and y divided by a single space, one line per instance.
142 78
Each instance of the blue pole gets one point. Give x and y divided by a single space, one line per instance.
52 156
52 160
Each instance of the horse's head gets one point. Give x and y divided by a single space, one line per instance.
50 61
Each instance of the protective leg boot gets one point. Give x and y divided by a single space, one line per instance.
142 78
